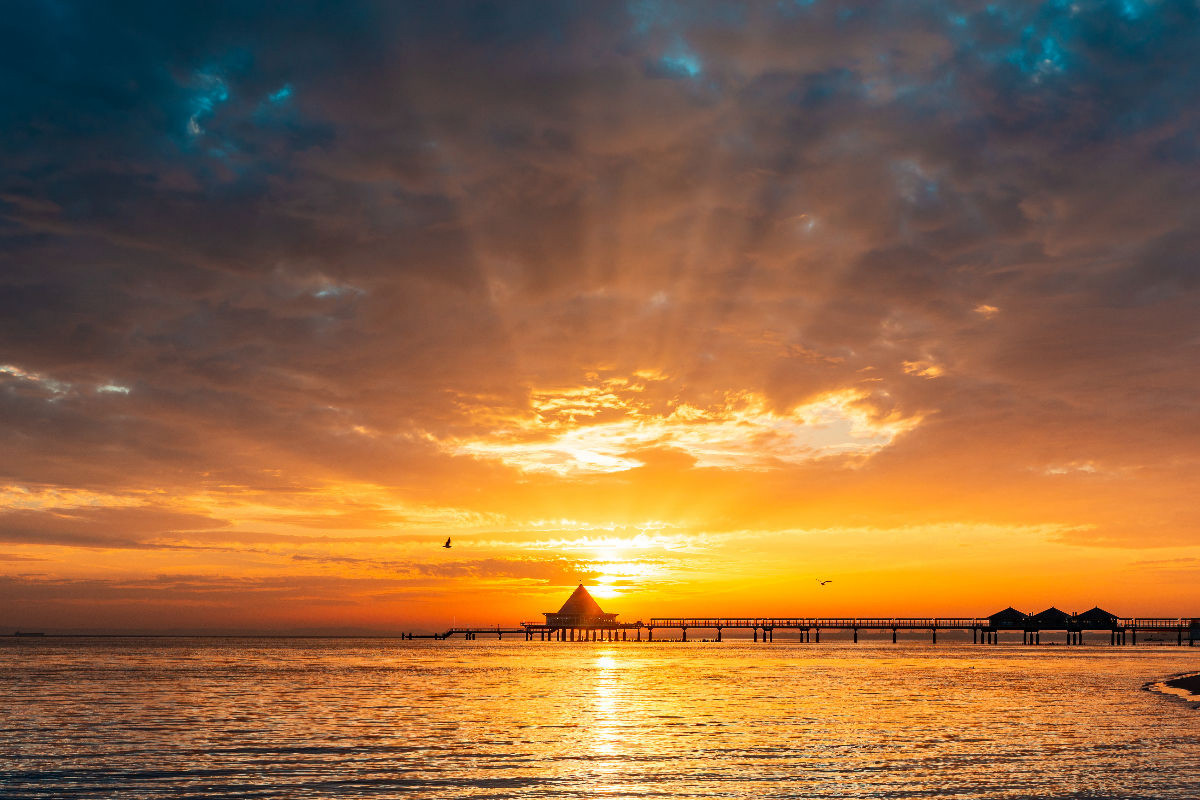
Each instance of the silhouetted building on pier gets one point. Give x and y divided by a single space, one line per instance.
580 611
1097 619
1008 620
1051 619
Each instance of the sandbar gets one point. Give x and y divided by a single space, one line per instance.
1186 687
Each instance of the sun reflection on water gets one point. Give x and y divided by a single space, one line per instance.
605 732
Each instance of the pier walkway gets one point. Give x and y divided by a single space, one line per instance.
983 630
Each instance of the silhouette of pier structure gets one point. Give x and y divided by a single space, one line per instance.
984 630
582 619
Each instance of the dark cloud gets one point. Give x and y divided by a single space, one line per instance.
250 250
120 528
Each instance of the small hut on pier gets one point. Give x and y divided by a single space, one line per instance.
1096 619
1007 620
580 611
1052 619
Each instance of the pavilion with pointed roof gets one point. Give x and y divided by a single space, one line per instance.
581 619
580 611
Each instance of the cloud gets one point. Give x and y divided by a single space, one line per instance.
652 260
99 527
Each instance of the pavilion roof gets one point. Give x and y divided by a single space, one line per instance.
581 604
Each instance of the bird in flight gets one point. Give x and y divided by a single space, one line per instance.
447 544
818 579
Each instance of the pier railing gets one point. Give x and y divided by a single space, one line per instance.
946 623
809 628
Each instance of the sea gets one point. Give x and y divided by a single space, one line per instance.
380 718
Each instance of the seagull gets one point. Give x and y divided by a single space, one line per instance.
818 579
447 544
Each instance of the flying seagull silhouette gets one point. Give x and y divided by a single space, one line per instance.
447 544
824 582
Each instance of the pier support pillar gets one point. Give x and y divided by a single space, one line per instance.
1133 640
1037 637
649 634
893 635
718 634
624 634
856 635
818 632
639 634
685 634
756 634
934 635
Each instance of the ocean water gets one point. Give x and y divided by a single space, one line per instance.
336 718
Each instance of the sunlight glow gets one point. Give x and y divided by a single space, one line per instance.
742 432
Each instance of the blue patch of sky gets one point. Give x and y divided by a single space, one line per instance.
667 23
648 14
281 95
1133 9
915 184
333 290
211 92
680 60
1037 56
1033 39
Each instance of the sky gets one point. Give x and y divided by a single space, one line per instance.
697 303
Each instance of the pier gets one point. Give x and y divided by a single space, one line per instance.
582 620
983 629
1179 631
